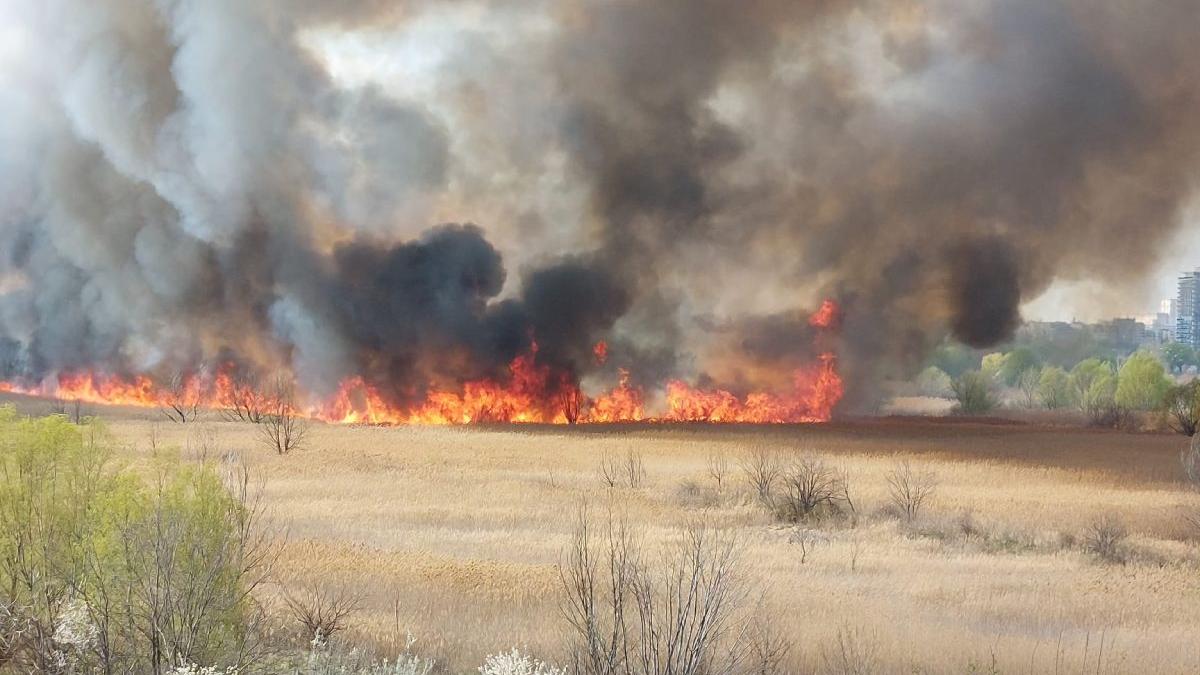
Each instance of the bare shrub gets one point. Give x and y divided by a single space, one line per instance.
853 652
181 399
635 469
809 489
282 427
628 617
967 527
571 402
1029 384
807 540
322 609
908 490
1105 538
691 494
597 580
761 467
718 469
628 470
244 399
767 645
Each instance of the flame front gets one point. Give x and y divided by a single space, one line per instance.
531 392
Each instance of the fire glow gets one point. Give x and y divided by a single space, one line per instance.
531 393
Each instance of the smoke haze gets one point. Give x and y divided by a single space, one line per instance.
184 182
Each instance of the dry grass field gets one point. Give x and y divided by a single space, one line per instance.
454 536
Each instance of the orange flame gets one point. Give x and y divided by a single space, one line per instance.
622 404
601 352
816 391
531 393
827 316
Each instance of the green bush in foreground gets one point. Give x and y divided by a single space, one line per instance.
120 572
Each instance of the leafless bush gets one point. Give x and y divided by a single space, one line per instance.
767 646
282 427
628 470
691 494
181 400
908 490
322 609
1029 384
718 469
807 540
597 578
761 467
967 527
630 618
853 652
245 400
635 469
810 489
1105 538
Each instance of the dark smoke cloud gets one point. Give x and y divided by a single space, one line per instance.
185 181
986 292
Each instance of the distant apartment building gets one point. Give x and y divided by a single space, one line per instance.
1168 314
1124 334
1187 307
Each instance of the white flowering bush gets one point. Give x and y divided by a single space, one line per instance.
74 628
516 663
13 626
193 669
323 660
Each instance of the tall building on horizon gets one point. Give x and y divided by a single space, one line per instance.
1168 314
1187 307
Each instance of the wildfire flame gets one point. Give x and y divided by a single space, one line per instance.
601 352
531 393
827 316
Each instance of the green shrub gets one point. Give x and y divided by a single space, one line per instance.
114 571
1143 382
1182 407
973 390
1054 388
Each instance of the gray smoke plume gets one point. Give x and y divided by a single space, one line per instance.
184 182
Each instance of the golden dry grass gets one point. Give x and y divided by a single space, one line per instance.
455 534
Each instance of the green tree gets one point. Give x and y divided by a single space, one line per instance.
1143 382
974 393
1054 388
1016 363
1083 375
1178 356
1182 407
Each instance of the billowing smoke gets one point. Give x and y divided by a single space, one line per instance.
185 182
